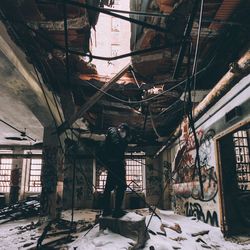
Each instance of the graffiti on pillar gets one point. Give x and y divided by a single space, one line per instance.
185 172
195 209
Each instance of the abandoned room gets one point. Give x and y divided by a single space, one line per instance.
125 124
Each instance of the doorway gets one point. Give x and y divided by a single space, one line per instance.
234 180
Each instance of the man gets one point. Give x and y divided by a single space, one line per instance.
115 146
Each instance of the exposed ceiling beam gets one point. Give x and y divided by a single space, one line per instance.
92 100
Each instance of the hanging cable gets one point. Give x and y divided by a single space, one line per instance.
150 98
191 123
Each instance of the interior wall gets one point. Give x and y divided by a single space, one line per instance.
187 197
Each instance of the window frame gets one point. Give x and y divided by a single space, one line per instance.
5 188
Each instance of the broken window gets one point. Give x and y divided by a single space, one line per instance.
115 24
5 173
241 146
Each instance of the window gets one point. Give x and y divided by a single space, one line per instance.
102 176
115 24
5 173
134 174
35 175
114 50
116 2
241 147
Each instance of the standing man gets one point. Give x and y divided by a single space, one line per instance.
115 146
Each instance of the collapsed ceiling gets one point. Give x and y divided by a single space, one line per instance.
147 93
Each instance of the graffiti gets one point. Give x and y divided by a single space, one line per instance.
195 209
185 173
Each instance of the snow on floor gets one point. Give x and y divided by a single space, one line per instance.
14 236
106 240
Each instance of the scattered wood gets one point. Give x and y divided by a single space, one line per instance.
28 244
200 233
176 227
206 246
178 238
201 240
58 233
20 210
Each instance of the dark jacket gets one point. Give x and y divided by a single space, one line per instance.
115 145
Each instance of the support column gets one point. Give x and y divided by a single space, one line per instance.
52 175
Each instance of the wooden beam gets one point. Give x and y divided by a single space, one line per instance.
92 100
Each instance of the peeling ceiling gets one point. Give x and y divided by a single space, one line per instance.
147 94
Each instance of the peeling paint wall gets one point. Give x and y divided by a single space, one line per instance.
187 197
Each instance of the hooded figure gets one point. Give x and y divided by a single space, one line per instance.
115 146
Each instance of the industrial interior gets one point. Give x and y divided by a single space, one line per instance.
176 72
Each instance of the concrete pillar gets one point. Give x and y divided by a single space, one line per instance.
83 184
153 181
52 175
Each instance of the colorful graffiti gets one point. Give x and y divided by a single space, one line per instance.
185 173
195 209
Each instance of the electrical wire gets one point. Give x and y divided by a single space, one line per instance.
150 98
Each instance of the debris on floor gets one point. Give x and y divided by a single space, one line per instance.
20 210
24 234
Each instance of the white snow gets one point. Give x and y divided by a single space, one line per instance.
11 237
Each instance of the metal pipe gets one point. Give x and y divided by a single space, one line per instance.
237 71
226 83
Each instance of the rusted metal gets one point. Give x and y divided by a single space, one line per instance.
224 12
